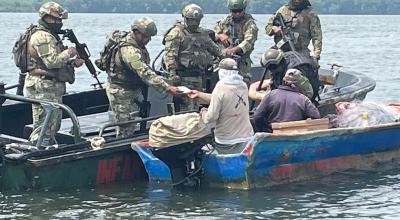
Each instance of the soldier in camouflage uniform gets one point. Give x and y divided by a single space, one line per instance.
189 53
50 65
238 32
305 25
132 74
279 62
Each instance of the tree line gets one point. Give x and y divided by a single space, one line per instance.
209 6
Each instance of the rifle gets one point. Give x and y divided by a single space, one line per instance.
144 106
286 31
260 86
83 52
21 84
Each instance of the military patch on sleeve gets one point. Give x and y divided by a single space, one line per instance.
43 50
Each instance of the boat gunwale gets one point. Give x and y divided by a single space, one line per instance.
325 132
114 146
353 93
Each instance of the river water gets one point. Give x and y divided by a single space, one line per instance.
366 44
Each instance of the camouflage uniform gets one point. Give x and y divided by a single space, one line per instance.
305 25
189 55
245 32
49 68
126 83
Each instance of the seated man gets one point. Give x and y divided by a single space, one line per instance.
285 103
228 109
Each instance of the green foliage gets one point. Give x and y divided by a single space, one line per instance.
209 6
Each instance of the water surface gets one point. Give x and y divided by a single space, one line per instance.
357 42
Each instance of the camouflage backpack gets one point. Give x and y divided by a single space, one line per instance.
106 62
20 49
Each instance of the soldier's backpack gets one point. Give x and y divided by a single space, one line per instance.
106 62
20 49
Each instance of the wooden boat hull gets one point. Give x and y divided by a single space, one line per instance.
275 159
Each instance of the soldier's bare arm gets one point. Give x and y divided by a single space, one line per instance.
45 45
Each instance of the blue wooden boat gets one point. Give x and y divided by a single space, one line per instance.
271 159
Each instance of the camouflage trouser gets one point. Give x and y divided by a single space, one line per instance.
47 90
122 105
184 103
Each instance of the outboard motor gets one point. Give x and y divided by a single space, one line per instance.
185 162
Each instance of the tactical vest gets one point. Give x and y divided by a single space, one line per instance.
237 30
300 25
122 74
296 60
37 67
193 54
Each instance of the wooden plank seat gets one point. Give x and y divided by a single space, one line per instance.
293 127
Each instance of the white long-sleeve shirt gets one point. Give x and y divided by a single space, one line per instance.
229 110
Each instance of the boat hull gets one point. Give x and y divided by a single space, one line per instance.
276 159
88 168
73 170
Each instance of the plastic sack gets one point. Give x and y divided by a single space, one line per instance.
177 129
364 114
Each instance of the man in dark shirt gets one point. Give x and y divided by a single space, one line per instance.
284 104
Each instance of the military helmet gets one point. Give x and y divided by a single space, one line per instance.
145 26
53 9
192 11
237 4
298 5
228 64
271 56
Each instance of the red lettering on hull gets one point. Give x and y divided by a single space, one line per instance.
111 170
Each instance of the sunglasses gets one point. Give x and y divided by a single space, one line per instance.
237 10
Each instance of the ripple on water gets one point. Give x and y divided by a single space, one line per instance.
352 195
